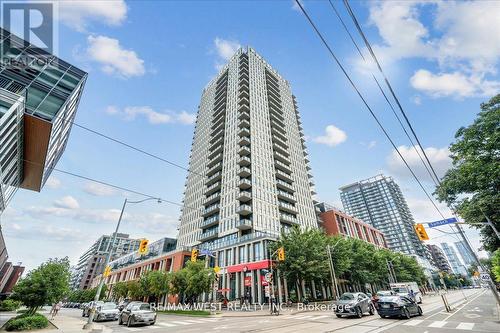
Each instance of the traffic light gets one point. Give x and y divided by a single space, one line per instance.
194 254
143 247
421 233
107 271
281 254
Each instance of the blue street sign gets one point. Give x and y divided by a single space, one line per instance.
442 222
206 253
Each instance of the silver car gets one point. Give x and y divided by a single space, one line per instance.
107 311
137 313
354 304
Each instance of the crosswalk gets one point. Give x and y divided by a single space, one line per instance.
311 317
440 324
169 324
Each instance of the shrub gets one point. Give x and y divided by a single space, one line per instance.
9 305
26 322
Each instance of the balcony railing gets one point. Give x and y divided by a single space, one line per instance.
282 158
244 151
283 175
244 224
245 210
211 221
214 169
213 233
245 184
282 166
212 198
244 161
245 196
213 188
288 219
244 124
212 209
284 185
244 140
285 195
213 178
244 172
287 207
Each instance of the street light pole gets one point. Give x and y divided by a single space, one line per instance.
332 268
90 320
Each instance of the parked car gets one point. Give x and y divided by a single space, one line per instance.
406 288
123 304
354 304
86 309
137 313
107 311
398 306
381 293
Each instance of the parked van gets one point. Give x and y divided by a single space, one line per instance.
406 288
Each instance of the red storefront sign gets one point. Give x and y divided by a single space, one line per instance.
248 281
250 266
263 280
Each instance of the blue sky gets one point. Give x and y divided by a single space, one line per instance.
148 62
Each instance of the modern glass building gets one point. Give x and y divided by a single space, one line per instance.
467 256
456 265
380 202
250 175
39 96
439 258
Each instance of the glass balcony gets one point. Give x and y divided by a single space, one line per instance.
243 101
217 150
244 151
210 234
243 94
244 115
280 157
283 175
210 210
245 210
213 188
245 196
212 198
213 178
211 221
287 207
245 184
286 196
278 148
282 166
290 219
277 130
284 185
244 172
244 224
244 161
244 132
215 157
214 169
281 142
244 140
244 124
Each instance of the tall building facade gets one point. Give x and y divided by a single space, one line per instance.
456 265
380 202
91 263
39 96
467 256
439 258
249 178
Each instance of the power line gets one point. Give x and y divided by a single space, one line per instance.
381 90
368 45
366 104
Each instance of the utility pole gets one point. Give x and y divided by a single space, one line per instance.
332 272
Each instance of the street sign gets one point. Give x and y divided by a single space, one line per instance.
268 277
206 253
442 222
485 276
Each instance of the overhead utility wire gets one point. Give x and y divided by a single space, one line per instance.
366 104
368 45
382 91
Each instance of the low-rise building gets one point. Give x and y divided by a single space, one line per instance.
336 222
8 281
91 263
162 256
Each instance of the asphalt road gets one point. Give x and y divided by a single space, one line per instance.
477 314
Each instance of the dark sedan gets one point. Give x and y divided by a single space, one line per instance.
398 306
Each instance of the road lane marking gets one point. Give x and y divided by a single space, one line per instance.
413 322
302 317
167 324
132 329
465 326
181 322
151 327
319 317
437 324
465 304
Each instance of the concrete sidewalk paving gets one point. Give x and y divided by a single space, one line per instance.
68 324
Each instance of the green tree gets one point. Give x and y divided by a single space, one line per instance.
158 283
134 290
47 284
305 256
179 283
472 185
192 281
120 290
495 265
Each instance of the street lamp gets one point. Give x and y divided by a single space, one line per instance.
332 268
89 323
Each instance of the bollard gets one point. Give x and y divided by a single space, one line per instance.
446 305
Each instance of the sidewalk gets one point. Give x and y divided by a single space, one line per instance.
68 324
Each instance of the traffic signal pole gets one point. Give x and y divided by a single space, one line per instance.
89 324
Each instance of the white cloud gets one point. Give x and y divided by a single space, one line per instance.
452 84
99 190
423 210
44 231
53 182
226 48
153 117
114 58
67 202
454 38
78 14
333 136
439 158
417 100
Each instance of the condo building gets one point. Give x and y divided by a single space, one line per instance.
39 96
91 263
439 258
250 176
465 253
456 265
379 202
